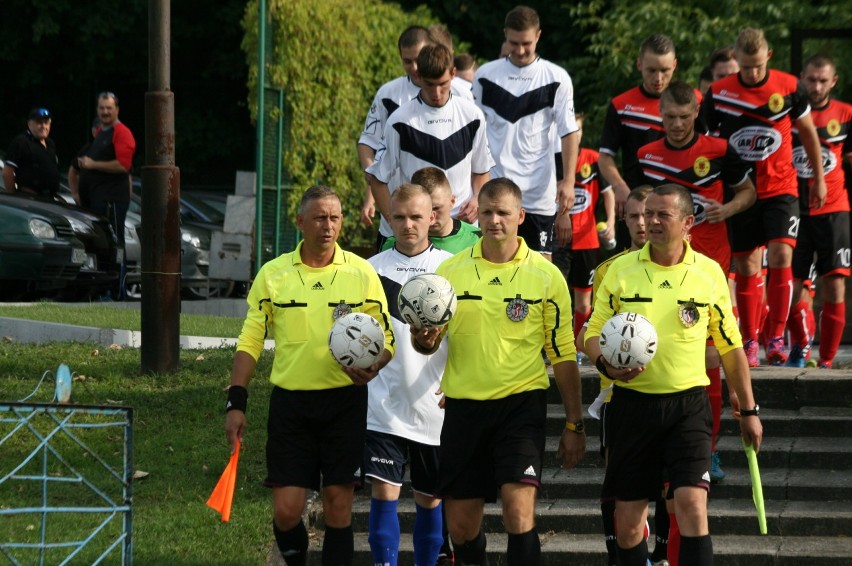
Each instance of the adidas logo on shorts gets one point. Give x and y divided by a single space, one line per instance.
529 471
706 476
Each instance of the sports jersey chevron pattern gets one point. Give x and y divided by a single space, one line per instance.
512 108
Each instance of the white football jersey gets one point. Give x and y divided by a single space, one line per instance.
402 399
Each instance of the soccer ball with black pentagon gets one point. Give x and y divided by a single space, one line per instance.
427 300
356 340
628 340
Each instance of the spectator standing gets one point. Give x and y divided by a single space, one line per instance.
31 165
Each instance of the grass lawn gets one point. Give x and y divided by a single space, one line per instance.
179 441
98 316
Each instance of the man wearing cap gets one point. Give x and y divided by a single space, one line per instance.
31 164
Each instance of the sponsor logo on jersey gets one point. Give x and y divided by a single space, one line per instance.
665 285
756 143
803 164
699 208
495 281
582 200
776 102
701 167
318 287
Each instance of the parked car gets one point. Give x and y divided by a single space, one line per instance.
39 254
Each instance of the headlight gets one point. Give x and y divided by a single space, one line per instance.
79 226
41 229
191 239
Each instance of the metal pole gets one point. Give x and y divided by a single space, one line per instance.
160 204
261 117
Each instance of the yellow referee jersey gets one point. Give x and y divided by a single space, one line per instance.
296 305
684 302
506 313
600 271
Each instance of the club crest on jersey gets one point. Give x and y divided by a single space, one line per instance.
776 102
833 127
341 309
688 314
701 167
517 309
585 170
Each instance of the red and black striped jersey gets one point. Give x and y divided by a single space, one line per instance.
704 166
587 190
834 127
757 121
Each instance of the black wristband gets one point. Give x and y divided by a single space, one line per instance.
237 398
599 363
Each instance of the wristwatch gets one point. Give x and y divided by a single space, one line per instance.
577 427
750 412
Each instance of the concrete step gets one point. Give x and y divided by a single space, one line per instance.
727 517
560 548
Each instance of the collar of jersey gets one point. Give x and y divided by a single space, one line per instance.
688 256
336 260
523 250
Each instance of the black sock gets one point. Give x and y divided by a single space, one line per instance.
472 552
292 544
696 551
338 547
636 556
524 549
608 518
661 530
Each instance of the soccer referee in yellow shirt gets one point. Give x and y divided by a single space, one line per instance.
512 302
659 415
318 410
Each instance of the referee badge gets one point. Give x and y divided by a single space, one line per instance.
688 314
342 309
517 309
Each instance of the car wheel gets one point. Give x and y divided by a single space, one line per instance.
133 291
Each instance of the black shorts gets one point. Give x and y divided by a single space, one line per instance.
771 219
649 433
824 241
385 456
485 444
313 433
577 266
537 232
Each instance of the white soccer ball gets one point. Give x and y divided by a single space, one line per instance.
628 340
427 300
356 340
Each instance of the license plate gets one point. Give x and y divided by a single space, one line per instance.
78 256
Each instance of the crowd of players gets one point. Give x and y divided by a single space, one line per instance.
711 182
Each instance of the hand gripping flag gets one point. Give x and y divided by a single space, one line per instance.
756 486
223 493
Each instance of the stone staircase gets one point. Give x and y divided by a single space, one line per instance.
806 469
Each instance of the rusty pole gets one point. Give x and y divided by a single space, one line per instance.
160 204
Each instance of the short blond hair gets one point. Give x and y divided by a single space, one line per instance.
750 41
408 191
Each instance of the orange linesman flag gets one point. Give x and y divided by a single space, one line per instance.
223 494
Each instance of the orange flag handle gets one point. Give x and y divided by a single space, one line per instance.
223 494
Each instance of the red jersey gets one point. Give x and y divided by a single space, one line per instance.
757 121
834 127
704 166
587 190
632 120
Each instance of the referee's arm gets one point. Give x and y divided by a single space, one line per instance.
572 445
235 419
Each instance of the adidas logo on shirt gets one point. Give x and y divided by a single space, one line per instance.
529 471
665 285
495 281
318 287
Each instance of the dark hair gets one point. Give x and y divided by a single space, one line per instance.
412 36
498 187
431 178
315 193
522 18
684 198
721 55
434 60
819 61
706 74
658 44
640 193
108 94
464 61
678 92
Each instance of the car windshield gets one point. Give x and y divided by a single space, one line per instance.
209 212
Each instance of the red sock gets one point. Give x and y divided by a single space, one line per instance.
748 300
832 319
674 540
797 324
779 295
580 319
714 392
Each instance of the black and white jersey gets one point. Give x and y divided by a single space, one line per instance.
451 138
521 104
402 399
